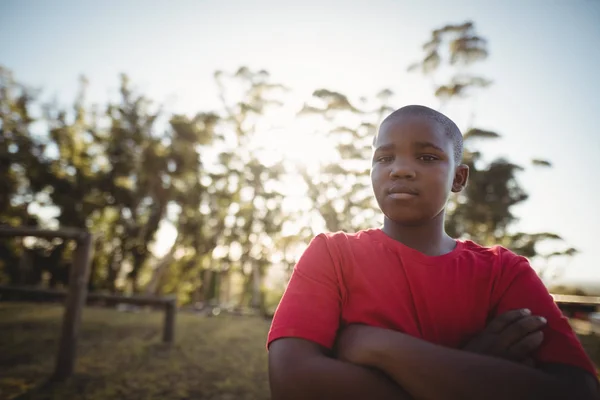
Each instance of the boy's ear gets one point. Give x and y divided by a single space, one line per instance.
461 176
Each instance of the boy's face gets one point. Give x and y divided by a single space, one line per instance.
413 169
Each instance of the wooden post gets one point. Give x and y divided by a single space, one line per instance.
25 266
65 233
169 326
76 296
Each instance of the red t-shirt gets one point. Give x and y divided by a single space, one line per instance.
370 278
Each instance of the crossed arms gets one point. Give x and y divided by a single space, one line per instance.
377 363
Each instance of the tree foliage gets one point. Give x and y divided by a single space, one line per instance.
127 169
484 211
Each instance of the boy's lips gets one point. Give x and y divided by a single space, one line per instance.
402 192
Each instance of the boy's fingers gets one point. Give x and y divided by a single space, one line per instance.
519 330
523 348
499 323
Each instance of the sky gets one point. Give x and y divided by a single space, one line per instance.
544 62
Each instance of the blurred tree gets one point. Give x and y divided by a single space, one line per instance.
135 182
125 170
151 172
341 189
197 218
109 172
249 188
482 212
16 149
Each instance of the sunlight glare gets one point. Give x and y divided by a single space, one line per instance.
299 140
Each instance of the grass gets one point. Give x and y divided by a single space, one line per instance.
120 356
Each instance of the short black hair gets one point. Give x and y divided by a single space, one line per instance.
449 126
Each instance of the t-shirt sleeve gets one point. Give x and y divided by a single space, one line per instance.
311 304
521 287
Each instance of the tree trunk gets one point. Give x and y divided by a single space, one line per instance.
153 287
246 290
113 272
225 290
208 286
256 287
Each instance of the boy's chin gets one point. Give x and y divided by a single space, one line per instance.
407 219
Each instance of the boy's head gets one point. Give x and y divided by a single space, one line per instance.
416 164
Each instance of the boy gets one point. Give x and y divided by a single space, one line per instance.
407 312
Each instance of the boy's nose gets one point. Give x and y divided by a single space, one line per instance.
402 170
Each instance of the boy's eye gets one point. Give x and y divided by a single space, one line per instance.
384 159
428 158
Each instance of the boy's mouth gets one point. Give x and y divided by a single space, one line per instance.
402 192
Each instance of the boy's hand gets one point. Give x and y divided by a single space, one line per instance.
512 336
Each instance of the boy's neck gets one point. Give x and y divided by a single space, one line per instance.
429 238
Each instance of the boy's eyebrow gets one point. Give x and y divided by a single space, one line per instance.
385 147
422 145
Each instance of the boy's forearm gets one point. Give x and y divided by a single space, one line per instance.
327 378
429 371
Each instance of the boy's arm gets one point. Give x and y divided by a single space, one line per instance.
429 371
520 287
305 325
300 369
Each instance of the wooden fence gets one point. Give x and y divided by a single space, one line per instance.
573 306
168 303
76 295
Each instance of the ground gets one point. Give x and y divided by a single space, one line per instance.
120 356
